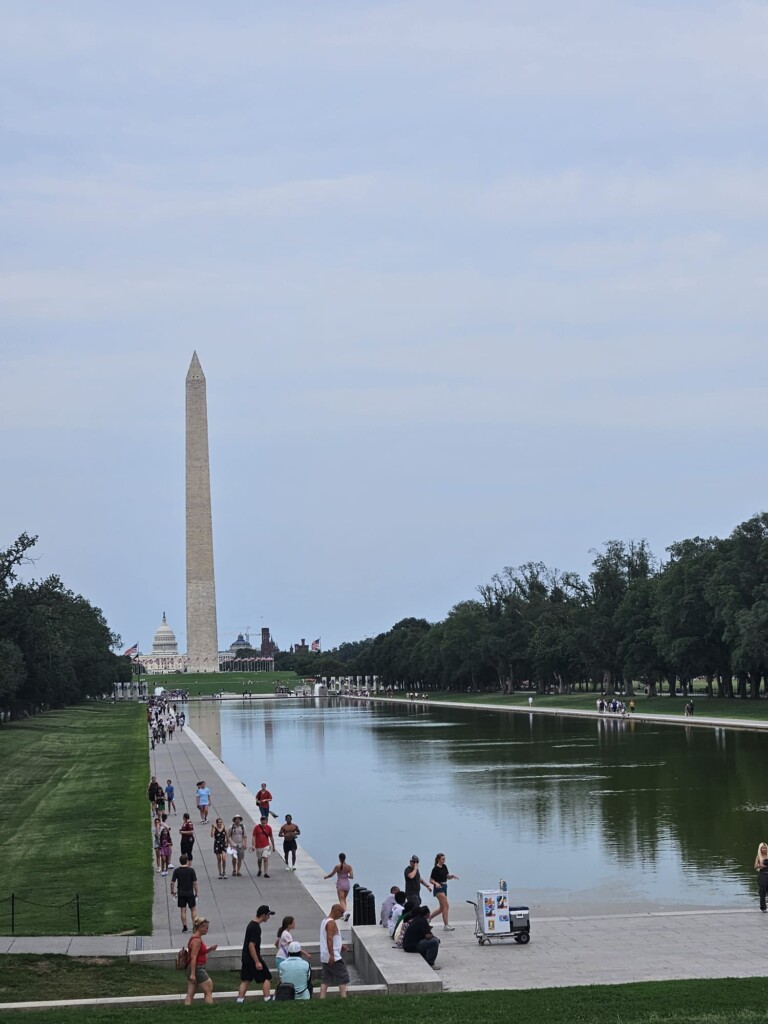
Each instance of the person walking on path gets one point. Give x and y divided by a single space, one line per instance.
761 855
187 833
203 801
762 883
419 938
220 843
262 840
263 800
166 844
238 843
154 790
156 827
334 970
439 879
197 976
170 796
184 882
344 875
289 831
414 882
252 966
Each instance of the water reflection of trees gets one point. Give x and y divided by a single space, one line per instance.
650 792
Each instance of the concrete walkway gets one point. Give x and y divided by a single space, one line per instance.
229 903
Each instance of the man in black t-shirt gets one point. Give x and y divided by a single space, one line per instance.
253 967
414 882
419 937
184 881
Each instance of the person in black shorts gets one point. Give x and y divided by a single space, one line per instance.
288 833
253 967
184 882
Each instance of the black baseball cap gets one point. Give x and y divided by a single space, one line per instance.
264 910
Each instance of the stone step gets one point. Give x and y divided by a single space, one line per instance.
173 999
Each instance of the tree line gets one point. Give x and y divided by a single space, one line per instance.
55 647
635 620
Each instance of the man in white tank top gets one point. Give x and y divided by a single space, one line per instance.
334 970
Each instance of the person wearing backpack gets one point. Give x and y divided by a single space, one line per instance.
296 973
197 976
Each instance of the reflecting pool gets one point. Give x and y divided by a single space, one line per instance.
576 815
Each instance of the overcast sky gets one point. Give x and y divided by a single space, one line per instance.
471 283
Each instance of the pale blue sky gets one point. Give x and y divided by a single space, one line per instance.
471 284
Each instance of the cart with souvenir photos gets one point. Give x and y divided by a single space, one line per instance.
495 920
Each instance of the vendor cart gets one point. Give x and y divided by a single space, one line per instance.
496 921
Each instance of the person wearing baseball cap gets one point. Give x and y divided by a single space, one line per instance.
252 966
295 970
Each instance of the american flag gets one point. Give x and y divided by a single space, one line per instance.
132 651
315 645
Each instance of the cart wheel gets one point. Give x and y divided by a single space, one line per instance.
523 938
480 940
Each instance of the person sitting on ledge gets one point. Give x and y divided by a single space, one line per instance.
419 937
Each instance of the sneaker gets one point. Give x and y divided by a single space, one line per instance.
163 873
346 916
240 999
448 928
266 875
170 865
258 874
435 967
184 929
287 868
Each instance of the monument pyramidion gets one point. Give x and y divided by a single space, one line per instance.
202 635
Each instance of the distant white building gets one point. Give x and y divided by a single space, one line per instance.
165 655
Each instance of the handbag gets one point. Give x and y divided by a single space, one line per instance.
231 851
285 990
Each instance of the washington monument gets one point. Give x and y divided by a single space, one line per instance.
202 635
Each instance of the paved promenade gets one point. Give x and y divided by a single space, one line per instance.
229 904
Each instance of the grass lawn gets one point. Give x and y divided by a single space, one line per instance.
716 707
230 682
686 1002
75 782
27 976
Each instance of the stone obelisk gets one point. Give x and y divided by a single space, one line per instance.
202 636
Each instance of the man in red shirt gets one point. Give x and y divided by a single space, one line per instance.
262 841
263 799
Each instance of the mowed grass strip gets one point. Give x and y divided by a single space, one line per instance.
73 783
26 977
716 1001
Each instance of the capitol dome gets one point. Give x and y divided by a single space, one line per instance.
165 639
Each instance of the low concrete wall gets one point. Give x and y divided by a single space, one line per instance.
379 962
226 958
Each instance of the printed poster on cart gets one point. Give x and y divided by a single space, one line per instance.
494 905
